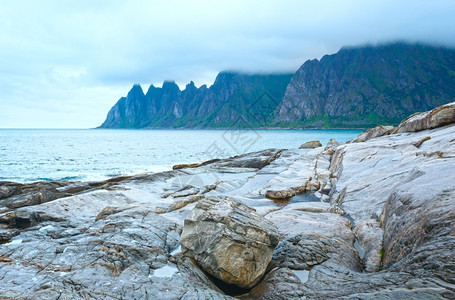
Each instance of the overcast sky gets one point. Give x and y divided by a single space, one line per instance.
63 64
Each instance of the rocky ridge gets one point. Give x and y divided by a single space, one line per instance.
371 219
234 100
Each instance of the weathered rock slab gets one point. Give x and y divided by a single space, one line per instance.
440 116
373 133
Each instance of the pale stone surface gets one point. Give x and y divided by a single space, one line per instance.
367 173
229 240
325 226
298 177
373 133
419 220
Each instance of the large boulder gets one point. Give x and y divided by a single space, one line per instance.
229 240
440 116
311 145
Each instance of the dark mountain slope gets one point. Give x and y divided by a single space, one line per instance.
361 87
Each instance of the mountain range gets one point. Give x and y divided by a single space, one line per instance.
356 87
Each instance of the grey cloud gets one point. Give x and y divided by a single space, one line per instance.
68 55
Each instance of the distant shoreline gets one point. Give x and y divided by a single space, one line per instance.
218 128
243 128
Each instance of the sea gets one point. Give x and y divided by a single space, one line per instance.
29 155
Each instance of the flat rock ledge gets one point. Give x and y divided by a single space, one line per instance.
229 240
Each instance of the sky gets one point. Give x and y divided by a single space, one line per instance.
64 64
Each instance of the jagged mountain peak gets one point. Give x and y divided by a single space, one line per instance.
170 85
191 87
218 106
225 76
355 87
152 89
136 90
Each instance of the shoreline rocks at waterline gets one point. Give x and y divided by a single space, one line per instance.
372 133
229 240
311 145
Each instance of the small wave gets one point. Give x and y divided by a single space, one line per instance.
69 178
40 179
12 164
153 169
48 179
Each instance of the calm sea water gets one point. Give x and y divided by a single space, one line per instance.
53 154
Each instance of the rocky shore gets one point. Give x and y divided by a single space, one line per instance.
370 219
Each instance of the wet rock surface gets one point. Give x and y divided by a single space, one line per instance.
366 220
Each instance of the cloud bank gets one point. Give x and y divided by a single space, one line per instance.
63 64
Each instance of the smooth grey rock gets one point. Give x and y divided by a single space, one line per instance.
299 176
279 283
330 280
332 227
418 221
302 251
254 160
367 173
